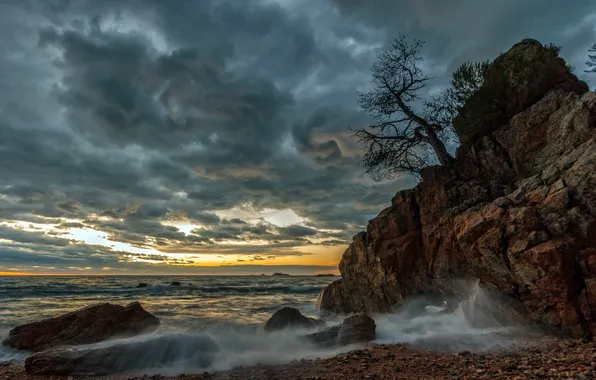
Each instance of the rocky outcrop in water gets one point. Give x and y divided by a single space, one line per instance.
289 317
88 325
354 329
152 352
517 211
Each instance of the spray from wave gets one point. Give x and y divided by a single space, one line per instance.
479 322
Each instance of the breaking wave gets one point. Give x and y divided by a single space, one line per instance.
478 322
165 288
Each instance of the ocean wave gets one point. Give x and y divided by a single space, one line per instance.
223 345
7 354
165 288
262 289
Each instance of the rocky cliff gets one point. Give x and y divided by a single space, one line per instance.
517 210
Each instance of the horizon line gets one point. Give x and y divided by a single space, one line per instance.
150 275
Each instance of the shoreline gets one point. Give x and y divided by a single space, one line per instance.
543 357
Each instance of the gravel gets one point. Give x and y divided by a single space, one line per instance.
542 358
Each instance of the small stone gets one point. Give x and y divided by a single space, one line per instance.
502 202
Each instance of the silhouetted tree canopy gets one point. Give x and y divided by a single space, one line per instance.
591 62
512 82
466 80
401 137
481 98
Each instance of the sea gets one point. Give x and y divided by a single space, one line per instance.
231 310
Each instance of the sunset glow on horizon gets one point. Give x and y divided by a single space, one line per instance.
164 257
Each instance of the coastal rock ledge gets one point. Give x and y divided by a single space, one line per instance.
91 324
516 211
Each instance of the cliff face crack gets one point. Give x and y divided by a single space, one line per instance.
505 155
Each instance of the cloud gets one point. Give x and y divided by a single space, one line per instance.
295 231
30 237
143 125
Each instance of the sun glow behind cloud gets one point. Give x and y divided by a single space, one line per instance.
93 237
74 231
247 212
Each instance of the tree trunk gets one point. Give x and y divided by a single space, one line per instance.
431 136
440 150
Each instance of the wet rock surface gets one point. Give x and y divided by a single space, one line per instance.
289 317
88 325
355 329
125 356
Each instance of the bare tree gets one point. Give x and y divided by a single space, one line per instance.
400 138
591 62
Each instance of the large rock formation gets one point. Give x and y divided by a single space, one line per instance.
88 325
517 211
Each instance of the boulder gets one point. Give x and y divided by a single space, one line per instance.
88 325
324 338
516 211
175 283
355 329
150 352
288 317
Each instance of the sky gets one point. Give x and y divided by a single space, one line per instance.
214 136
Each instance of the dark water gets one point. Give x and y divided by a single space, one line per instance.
200 301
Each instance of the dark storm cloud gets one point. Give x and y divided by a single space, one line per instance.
37 238
133 118
297 231
461 30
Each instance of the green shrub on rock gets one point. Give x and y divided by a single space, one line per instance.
513 82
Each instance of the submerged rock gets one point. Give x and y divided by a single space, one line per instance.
143 285
290 317
175 283
88 325
151 352
324 338
355 329
517 211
